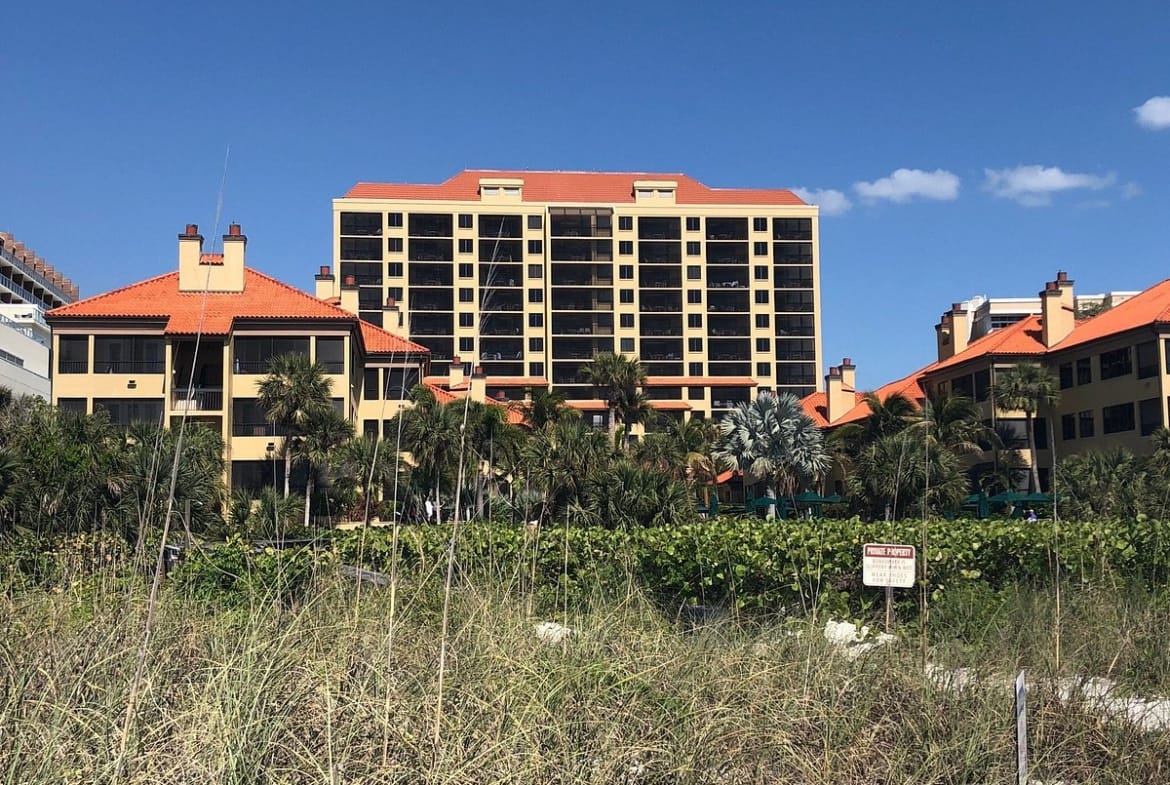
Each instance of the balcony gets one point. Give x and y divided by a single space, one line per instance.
721 326
667 278
793 253
792 228
129 366
500 300
432 300
659 253
199 399
501 251
728 302
430 225
598 323
581 250
661 302
500 226
429 274
727 279
723 350
727 229
503 368
661 325
431 325
582 275
503 325
430 251
727 253
582 300
580 349
501 275
501 349
658 350
659 228
563 225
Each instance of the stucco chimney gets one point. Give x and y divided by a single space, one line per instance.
953 332
838 400
455 376
190 251
1057 310
478 390
849 374
231 275
324 281
349 294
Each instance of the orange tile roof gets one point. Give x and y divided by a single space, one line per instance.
211 258
517 381
671 406
379 341
573 187
589 404
700 381
264 297
1152 306
815 404
515 416
1025 337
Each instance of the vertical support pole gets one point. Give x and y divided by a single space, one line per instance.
889 607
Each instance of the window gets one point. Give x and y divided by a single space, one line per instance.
1040 432
627 344
694 248
694 272
763 344
331 354
759 224
626 247
695 345
130 354
694 320
760 249
1085 424
536 222
762 320
466 320
1115 363
761 272
763 369
536 295
1150 415
535 271
370 429
466 221
252 354
694 296
626 320
466 246
395 292
394 245
75 405
1066 375
124 411
466 295
692 223
626 272
762 297
1117 418
536 320
695 369
1068 427
394 269
74 354
536 344
467 344
371 384
696 393
394 219
361 223
466 269
1147 359
536 369
535 246
625 222
1084 370
627 295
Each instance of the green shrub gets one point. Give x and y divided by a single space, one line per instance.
236 574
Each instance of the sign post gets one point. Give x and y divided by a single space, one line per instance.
889 566
1021 730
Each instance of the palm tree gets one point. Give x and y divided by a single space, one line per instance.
561 459
323 434
295 392
772 438
617 380
431 434
546 406
1026 387
953 422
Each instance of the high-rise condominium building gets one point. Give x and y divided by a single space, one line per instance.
528 275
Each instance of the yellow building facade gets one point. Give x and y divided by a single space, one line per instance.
525 276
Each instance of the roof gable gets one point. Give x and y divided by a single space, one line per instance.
1151 306
1023 337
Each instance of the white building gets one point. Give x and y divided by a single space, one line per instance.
993 313
28 288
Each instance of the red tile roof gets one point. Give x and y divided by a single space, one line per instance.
589 404
671 406
515 415
1025 337
573 187
517 381
1152 306
263 298
815 404
211 258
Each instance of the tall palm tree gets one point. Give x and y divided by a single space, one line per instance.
431 434
323 435
618 380
295 392
1026 387
546 406
773 439
560 460
953 422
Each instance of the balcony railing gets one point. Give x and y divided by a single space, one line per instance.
29 272
129 366
199 399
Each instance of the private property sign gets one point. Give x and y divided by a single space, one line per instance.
884 564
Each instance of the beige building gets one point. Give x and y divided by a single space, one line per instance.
525 276
196 341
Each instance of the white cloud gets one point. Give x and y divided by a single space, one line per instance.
1131 191
830 200
1154 113
1033 186
906 184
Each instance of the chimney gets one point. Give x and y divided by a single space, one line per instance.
849 375
953 332
192 276
478 391
838 400
455 376
1057 310
349 294
232 271
324 282
391 304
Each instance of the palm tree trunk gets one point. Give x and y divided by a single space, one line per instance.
612 425
308 494
287 467
1034 478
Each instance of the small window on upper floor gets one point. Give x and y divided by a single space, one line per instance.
394 219
625 222
466 221
759 224
535 221
693 223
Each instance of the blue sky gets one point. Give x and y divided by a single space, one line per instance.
1015 124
